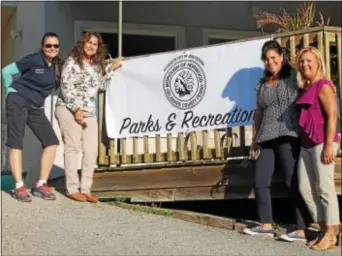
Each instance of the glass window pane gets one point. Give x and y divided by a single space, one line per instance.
219 40
134 45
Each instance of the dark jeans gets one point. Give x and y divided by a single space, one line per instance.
282 152
19 113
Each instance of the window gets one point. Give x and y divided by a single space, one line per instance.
135 45
216 36
137 31
213 40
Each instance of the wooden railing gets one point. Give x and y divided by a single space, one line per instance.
214 145
328 40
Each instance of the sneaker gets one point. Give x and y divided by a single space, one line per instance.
43 192
259 231
293 237
21 194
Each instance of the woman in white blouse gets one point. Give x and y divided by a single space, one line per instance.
83 75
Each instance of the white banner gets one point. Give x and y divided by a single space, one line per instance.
190 90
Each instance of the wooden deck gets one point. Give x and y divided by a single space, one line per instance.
201 182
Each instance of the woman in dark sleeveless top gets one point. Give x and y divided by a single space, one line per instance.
276 136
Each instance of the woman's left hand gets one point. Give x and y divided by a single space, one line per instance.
328 155
116 63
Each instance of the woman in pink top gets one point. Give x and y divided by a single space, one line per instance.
318 122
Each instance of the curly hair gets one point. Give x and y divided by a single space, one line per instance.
98 59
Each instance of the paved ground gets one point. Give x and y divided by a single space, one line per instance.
65 227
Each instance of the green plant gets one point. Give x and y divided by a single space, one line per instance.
154 209
322 22
303 18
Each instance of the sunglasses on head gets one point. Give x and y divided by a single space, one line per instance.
52 45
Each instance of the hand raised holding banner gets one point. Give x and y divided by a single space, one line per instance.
116 63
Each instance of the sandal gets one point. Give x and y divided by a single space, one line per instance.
315 240
328 241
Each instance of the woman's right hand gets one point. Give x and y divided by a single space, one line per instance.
253 151
79 117
328 154
116 63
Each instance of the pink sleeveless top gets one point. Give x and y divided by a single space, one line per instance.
311 120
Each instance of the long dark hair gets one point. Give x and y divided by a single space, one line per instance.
57 62
98 59
286 68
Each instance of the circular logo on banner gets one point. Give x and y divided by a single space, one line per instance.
184 81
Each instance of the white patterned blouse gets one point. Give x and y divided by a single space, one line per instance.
79 87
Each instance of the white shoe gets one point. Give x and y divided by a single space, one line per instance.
259 231
293 237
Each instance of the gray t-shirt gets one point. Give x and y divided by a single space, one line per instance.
279 113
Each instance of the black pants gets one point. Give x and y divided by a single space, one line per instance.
19 113
282 152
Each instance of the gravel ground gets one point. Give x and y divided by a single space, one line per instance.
65 227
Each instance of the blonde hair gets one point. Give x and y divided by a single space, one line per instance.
301 79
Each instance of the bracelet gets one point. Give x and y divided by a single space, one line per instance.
75 110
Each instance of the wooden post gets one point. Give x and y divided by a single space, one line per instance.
306 41
205 144
135 150
180 146
218 151
146 150
123 149
102 158
327 54
193 143
169 147
320 43
158 149
339 70
112 153
292 49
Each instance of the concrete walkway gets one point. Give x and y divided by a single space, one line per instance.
65 227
